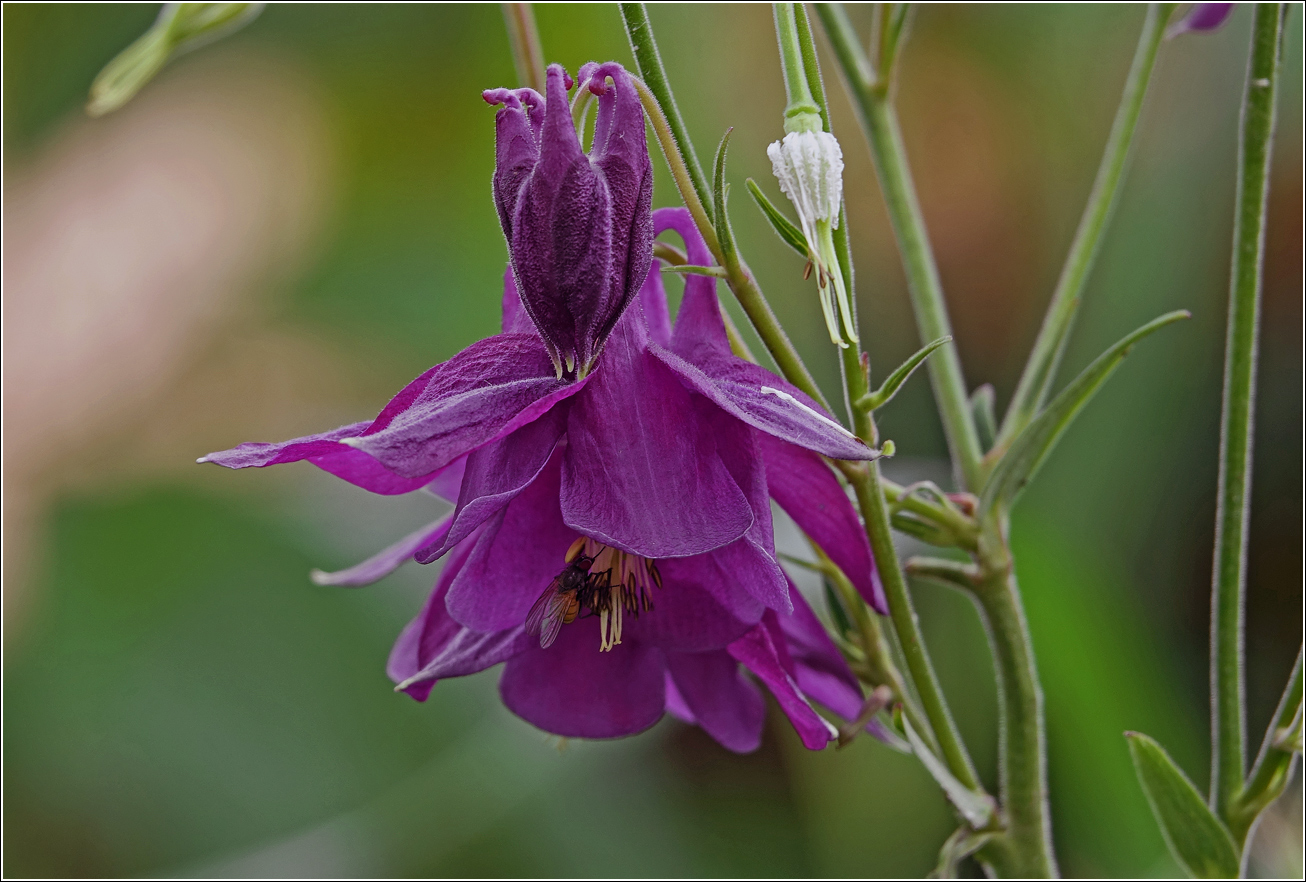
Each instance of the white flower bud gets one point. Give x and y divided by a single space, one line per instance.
809 167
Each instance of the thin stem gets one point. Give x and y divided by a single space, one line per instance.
801 111
741 281
1273 765
527 55
881 125
1041 368
870 499
1025 848
1228 705
642 43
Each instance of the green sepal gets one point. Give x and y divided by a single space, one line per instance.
883 395
1198 839
1032 446
784 228
179 28
976 807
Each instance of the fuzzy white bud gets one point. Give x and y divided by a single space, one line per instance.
809 167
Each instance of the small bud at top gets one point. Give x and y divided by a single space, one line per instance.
1200 17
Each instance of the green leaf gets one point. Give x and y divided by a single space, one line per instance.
691 269
842 623
1032 446
179 28
784 228
889 388
976 807
1196 837
720 190
982 409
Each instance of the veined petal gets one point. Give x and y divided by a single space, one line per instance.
686 617
573 690
720 698
819 668
759 653
752 558
434 646
495 474
518 553
653 302
480 395
809 492
448 481
764 401
386 561
641 472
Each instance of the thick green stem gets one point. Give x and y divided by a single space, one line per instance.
870 499
1228 706
881 125
1041 367
527 55
1025 847
645 48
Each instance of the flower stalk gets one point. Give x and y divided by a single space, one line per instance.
1228 700
524 38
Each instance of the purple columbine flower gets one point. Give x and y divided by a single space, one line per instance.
612 532
578 227
1201 17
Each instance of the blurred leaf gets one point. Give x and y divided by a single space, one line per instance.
959 846
1033 445
179 28
788 233
1196 837
982 409
977 808
691 269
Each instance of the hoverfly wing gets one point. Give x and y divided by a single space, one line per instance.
535 618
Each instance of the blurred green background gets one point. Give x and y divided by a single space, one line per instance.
290 224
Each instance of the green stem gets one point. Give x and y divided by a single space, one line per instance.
527 55
1025 847
1228 721
1040 369
870 499
1273 765
801 112
645 48
867 486
741 281
881 125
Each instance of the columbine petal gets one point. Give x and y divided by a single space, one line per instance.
810 493
761 655
819 668
434 646
495 474
686 617
571 690
385 562
480 395
514 559
641 471
721 700
515 319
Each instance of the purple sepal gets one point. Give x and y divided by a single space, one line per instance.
1201 17
385 562
767 658
716 695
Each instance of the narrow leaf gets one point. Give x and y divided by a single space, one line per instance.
1195 836
719 191
975 807
982 409
691 269
893 383
788 233
1032 446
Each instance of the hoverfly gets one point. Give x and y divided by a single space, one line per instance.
561 602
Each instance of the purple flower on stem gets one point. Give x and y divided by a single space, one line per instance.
578 227
611 539
1201 17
